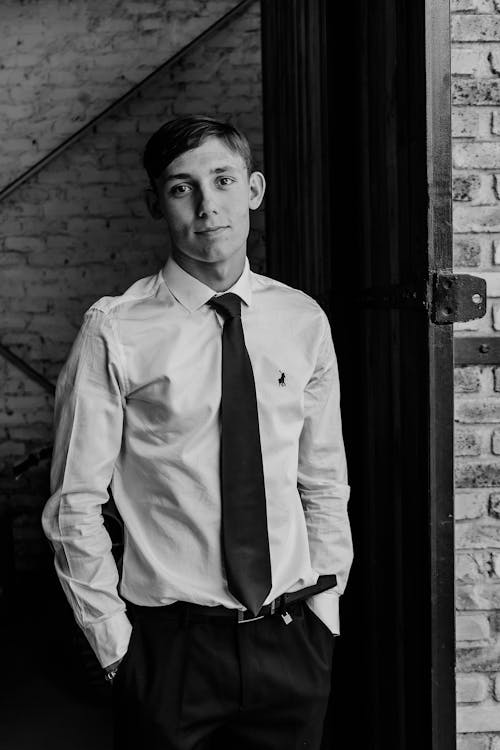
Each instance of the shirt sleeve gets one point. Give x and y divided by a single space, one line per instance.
88 421
322 474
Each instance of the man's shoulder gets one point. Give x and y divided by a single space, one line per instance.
140 291
284 295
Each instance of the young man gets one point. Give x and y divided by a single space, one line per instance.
207 396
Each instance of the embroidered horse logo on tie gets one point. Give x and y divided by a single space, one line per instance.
281 380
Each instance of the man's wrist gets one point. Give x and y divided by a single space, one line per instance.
111 670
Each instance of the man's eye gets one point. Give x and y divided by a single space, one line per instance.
180 189
224 181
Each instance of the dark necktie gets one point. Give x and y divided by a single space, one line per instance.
244 519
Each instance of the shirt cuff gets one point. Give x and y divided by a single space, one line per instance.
109 638
326 606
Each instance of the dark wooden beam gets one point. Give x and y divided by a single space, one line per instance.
477 350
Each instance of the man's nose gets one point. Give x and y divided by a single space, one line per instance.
207 204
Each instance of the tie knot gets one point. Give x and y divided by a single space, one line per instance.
228 305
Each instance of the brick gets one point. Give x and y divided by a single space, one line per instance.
464 122
467 379
115 24
478 657
495 564
475 28
476 219
472 627
478 92
480 6
141 8
471 688
478 719
494 505
28 305
496 376
477 411
496 687
12 259
466 187
493 58
473 566
471 742
151 24
39 432
495 122
477 475
495 314
469 505
24 244
476 155
478 596
469 61
9 449
495 442
476 535
467 443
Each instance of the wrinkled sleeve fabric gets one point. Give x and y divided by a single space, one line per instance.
88 424
322 479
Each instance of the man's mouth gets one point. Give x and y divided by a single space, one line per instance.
212 230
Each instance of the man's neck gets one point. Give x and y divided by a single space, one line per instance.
218 276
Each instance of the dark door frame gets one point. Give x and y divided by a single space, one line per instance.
440 346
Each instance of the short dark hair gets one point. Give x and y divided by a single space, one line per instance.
185 133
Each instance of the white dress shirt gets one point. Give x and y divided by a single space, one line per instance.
137 408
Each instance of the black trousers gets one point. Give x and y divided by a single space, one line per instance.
198 682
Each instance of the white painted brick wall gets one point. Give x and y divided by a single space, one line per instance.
476 217
63 63
80 229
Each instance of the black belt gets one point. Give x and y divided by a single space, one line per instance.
279 605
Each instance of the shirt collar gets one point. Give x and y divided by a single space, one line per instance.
193 293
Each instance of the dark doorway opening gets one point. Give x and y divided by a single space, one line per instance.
359 214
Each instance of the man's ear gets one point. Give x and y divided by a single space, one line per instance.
257 183
153 203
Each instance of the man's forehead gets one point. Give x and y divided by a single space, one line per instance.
210 156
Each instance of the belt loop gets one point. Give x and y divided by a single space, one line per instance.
282 604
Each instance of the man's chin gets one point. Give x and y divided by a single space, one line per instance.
213 255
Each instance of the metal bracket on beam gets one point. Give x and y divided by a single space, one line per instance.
457 297
450 297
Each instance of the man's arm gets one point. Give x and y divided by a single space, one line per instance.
88 421
322 479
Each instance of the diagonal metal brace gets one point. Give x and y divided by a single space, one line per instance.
27 369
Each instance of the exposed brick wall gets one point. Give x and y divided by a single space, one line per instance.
476 194
64 61
80 230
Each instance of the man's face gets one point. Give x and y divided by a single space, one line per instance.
205 195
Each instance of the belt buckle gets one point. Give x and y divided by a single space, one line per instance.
242 619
